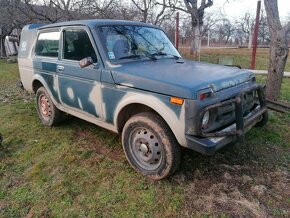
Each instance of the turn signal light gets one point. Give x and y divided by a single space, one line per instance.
176 100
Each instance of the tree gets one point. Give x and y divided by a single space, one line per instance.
196 12
126 11
278 50
224 30
34 13
8 22
149 11
287 27
263 29
245 26
102 9
210 20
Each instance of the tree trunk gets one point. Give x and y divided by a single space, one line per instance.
2 47
195 46
278 51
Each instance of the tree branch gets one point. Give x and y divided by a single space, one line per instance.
204 5
172 6
136 4
287 28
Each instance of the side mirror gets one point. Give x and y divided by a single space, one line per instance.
86 62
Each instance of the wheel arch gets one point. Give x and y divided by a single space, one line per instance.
130 107
130 110
36 84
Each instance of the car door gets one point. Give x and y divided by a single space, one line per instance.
45 58
79 88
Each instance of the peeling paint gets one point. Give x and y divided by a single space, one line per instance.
99 92
70 93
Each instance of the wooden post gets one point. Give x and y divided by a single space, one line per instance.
255 36
177 31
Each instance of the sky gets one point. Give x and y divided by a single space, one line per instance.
237 8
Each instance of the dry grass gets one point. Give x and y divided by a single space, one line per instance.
240 56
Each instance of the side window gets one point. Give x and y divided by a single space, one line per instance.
77 45
47 44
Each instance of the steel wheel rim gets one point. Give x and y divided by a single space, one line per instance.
44 106
145 148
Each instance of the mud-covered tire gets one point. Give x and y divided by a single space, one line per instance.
150 146
47 112
264 120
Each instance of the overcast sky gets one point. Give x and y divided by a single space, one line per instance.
237 8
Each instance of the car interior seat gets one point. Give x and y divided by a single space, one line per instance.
121 48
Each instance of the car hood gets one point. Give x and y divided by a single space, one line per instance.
182 78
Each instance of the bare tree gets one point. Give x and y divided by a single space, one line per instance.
287 27
278 50
263 29
245 25
34 12
152 11
224 30
7 22
143 6
126 12
196 12
210 21
104 9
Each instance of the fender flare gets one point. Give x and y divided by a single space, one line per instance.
175 123
40 79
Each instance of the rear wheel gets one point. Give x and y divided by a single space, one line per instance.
150 146
47 112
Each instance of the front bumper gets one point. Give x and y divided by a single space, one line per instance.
208 143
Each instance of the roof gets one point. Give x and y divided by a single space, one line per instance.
96 22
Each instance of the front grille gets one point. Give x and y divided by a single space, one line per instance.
224 116
245 101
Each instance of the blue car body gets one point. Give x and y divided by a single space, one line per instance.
106 93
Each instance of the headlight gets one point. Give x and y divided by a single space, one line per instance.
205 120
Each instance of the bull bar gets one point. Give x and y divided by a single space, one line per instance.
241 123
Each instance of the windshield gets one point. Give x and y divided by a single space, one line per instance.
136 42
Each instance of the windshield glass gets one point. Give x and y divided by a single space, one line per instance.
136 42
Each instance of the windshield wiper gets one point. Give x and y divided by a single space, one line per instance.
130 57
160 53
148 55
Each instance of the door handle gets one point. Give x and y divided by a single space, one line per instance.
60 68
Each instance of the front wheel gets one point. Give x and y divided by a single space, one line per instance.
150 146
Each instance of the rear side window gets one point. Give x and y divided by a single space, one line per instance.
48 44
77 45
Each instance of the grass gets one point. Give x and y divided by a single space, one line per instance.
240 56
78 169
285 89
